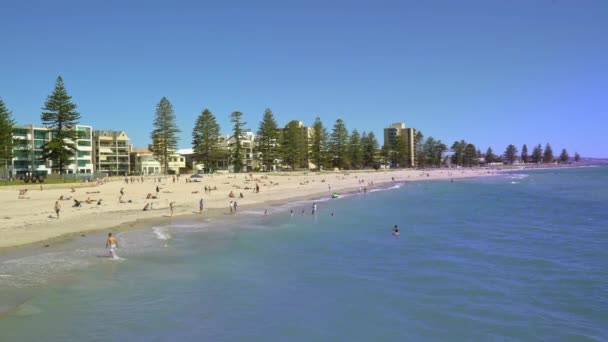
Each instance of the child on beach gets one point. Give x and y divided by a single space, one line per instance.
113 244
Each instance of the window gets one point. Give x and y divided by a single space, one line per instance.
84 133
40 134
84 154
38 143
20 131
82 163
84 143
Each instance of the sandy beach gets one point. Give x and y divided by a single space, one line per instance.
31 218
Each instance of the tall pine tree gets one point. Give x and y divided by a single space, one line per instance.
548 155
205 138
510 154
564 157
237 146
370 150
470 157
318 146
294 145
164 135
537 155
524 154
267 140
490 157
339 145
577 157
60 116
418 145
355 150
6 137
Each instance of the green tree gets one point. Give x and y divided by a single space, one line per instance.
355 150
385 155
470 156
267 140
370 150
318 149
398 155
294 145
338 145
564 157
61 117
236 146
510 154
205 138
418 143
577 157
524 154
164 135
548 155
537 154
439 148
458 149
433 151
6 135
490 157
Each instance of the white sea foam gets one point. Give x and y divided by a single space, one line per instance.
517 176
396 186
36 269
161 233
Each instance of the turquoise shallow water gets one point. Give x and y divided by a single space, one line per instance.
515 257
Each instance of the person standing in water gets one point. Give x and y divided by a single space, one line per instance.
396 230
112 242
314 208
171 205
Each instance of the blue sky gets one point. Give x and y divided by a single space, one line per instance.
492 72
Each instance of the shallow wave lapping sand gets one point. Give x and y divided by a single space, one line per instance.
33 220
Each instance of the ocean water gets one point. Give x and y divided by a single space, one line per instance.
521 256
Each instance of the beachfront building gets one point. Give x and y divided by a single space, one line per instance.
143 162
111 152
27 151
176 163
191 162
406 135
250 162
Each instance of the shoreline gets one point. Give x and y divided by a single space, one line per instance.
33 235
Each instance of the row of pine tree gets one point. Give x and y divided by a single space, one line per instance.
292 145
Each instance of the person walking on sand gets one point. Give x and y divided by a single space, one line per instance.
200 206
171 207
231 207
112 243
57 208
235 206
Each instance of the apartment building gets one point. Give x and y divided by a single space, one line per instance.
111 152
399 131
27 151
250 162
